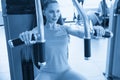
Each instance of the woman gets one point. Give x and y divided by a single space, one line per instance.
56 45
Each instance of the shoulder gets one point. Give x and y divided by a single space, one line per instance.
65 27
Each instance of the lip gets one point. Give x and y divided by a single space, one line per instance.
54 19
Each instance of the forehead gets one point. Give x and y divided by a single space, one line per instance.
53 6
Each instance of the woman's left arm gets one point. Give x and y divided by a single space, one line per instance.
78 31
87 31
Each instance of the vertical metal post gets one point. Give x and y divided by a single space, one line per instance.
87 46
40 23
41 39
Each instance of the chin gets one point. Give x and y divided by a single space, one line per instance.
54 21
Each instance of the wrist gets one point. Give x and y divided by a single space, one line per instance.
34 30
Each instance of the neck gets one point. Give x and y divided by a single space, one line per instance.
51 25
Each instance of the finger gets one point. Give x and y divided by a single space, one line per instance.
102 31
31 39
21 36
32 42
28 37
25 37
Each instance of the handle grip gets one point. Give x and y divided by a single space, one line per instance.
87 48
108 34
17 41
39 54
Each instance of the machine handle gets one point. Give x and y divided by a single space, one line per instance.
108 34
17 42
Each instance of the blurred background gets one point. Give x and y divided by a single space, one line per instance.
93 69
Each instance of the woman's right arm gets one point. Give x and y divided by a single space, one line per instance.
27 36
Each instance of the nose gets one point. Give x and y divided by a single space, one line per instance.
55 14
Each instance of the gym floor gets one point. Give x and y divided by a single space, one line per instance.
92 69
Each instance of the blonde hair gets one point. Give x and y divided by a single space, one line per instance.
46 3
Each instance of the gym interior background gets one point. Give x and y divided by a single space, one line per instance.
96 68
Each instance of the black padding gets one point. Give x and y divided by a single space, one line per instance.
20 6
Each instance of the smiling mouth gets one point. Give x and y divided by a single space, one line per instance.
54 19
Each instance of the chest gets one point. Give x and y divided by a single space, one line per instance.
56 36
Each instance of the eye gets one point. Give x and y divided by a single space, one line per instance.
58 11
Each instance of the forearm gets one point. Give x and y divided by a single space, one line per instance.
75 30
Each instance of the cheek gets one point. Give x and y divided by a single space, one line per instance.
48 17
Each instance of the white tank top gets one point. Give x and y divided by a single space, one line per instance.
56 50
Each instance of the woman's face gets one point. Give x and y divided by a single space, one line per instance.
52 12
